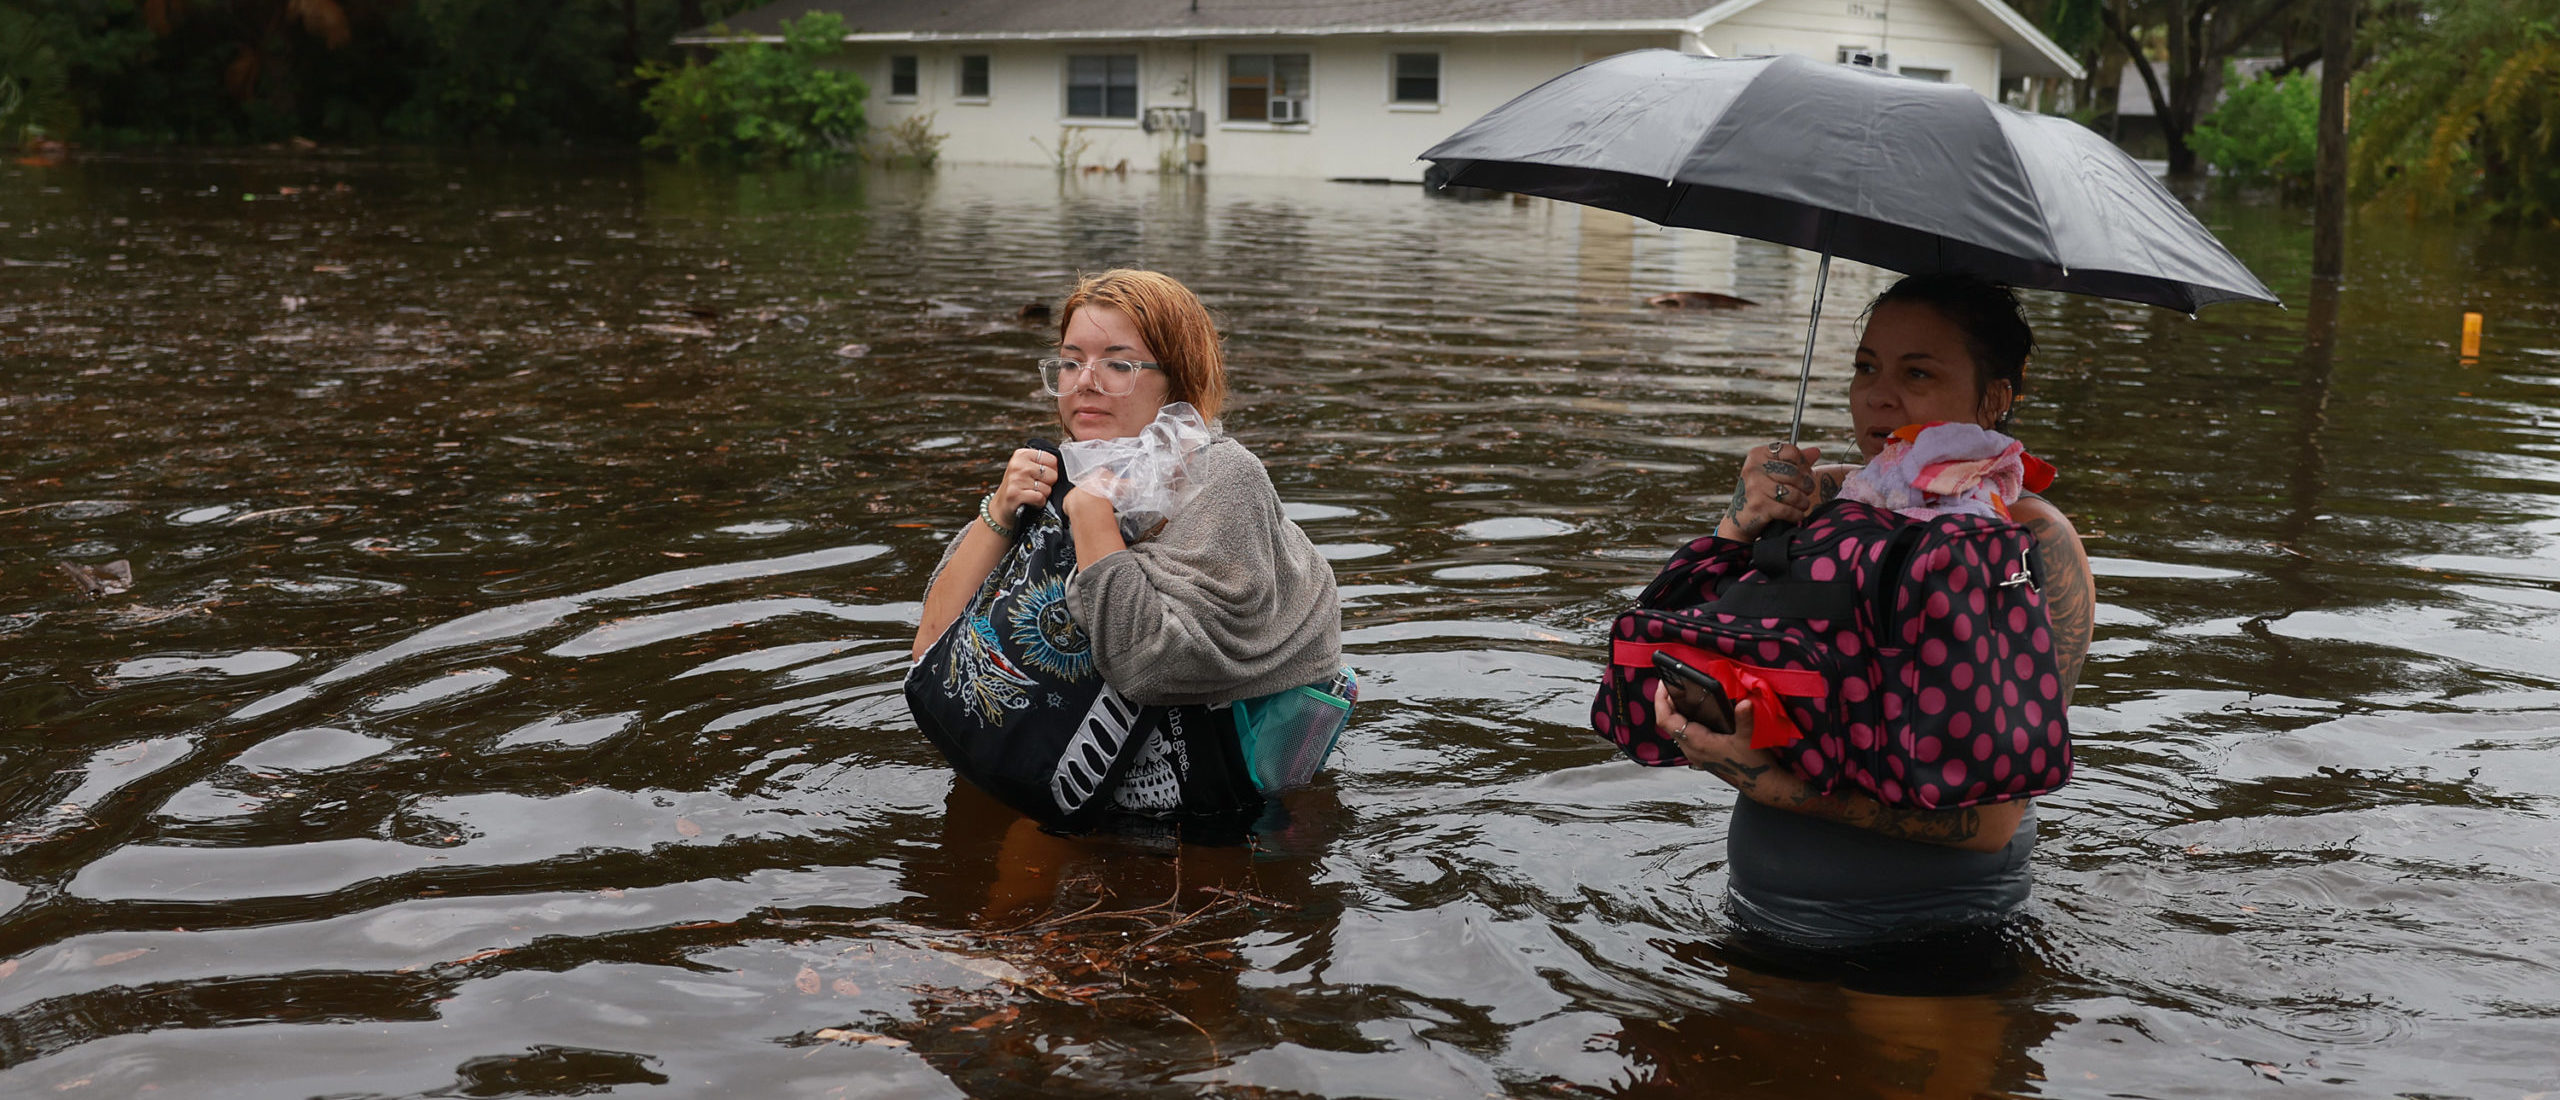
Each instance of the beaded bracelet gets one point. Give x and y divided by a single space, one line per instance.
987 514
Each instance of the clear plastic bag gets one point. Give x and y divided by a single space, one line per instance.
1147 476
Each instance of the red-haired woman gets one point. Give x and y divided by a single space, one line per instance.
1228 600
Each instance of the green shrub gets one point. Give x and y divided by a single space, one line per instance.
756 101
35 85
2266 130
509 71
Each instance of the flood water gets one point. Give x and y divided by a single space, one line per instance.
524 555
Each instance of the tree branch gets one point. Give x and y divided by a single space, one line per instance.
2283 8
2296 63
2115 21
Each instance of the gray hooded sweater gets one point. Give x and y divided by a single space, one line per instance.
1228 601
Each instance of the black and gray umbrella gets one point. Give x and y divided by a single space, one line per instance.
1905 174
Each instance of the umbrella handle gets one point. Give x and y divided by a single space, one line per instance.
1804 378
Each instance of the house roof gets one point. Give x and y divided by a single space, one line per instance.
2024 49
984 20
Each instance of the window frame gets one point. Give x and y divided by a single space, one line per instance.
1396 78
1067 88
960 78
1302 102
914 75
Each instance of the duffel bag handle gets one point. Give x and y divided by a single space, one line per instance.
1023 516
1769 551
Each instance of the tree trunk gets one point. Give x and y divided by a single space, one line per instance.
2329 173
2178 117
630 35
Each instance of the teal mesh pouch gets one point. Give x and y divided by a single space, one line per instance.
1287 735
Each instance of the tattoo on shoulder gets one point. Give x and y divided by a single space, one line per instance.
2070 598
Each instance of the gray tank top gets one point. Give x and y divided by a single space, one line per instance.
1822 883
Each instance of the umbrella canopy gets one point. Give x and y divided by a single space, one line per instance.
1905 174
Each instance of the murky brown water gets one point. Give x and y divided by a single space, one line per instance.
506 699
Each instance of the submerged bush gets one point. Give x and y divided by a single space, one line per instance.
2267 129
758 101
912 141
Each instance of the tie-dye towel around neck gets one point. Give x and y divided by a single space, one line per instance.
1947 468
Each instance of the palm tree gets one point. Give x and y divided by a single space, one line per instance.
2461 110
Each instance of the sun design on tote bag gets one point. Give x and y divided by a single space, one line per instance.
981 673
1045 635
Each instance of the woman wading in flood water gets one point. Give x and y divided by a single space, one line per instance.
1844 868
1212 623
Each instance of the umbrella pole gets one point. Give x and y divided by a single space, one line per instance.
1804 378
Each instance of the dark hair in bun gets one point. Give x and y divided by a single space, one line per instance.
1995 332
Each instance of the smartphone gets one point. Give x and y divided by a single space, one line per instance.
1695 693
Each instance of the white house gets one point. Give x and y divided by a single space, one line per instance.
1329 89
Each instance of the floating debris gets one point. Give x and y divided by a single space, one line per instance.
848 1035
1698 299
111 579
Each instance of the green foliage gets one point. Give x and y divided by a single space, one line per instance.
2460 110
35 83
2268 129
222 71
2073 25
491 73
756 101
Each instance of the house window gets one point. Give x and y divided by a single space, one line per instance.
902 76
1267 87
973 76
1939 75
1102 85
1417 78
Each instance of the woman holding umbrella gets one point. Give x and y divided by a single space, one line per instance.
1843 867
1907 175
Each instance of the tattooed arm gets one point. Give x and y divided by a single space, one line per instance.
1760 778
1775 487
1827 479
2070 593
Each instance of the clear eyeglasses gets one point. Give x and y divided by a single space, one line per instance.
1108 377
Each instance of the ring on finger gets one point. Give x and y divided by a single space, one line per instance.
1781 494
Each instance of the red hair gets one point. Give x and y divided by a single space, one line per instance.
1176 327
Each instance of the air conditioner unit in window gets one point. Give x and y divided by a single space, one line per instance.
1288 110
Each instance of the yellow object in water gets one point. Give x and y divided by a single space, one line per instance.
2470 335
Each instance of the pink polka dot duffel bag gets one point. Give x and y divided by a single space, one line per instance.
1907 659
